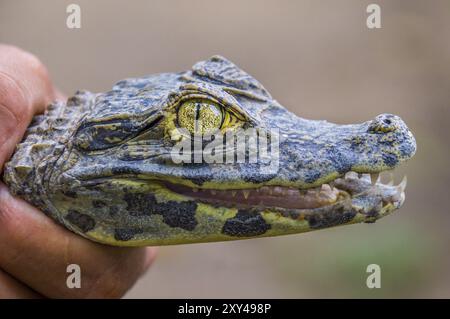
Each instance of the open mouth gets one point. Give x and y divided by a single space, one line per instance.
347 187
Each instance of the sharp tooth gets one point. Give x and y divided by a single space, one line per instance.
325 188
351 174
374 178
246 193
401 187
233 193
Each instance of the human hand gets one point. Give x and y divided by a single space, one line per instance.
35 251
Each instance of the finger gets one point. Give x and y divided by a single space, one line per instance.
25 89
37 251
10 288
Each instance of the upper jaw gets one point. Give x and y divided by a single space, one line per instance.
312 153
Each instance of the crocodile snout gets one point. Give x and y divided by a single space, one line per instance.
389 137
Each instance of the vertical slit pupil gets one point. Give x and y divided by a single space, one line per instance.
197 117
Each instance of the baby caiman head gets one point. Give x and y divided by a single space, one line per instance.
118 176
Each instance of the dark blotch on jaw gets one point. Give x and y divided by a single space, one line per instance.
175 214
124 234
338 216
390 159
245 224
84 222
179 214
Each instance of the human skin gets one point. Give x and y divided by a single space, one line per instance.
35 251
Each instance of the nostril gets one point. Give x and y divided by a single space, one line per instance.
383 123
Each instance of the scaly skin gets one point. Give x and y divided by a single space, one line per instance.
100 164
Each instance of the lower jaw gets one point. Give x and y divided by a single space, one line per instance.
362 202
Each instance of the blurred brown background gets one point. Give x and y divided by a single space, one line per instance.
319 60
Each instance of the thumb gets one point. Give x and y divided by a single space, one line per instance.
25 90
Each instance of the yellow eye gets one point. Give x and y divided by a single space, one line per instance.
200 116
